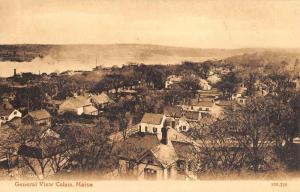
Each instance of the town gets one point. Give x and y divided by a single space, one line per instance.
152 122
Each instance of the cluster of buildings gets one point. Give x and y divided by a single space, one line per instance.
158 146
88 104
157 151
173 81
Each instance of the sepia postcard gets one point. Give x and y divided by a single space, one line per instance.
150 95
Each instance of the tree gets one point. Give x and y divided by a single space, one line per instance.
250 84
111 81
228 84
249 137
37 153
92 148
205 69
191 84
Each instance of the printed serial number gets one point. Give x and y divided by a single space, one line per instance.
279 184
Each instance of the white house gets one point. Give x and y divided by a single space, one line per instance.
152 123
198 105
78 105
7 115
203 84
172 79
100 100
155 159
180 124
38 117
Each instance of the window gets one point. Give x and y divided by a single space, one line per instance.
183 128
130 166
15 113
180 166
190 166
150 174
149 160
140 128
146 129
154 130
207 109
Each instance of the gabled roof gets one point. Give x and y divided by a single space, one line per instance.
165 154
6 109
192 115
174 78
195 102
29 151
101 99
173 111
39 114
75 102
5 112
89 109
135 146
152 118
184 150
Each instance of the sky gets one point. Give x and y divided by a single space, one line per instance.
183 23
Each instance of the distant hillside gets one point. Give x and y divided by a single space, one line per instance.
115 54
279 59
49 58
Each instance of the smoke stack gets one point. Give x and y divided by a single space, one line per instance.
173 123
164 139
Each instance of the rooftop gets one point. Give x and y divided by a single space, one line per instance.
101 99
184 150
173 111
39 114
165 154
75 102
89 109
152 118
135 146
195 102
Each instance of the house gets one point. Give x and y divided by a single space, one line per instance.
178 112
296 84
8 113
152 123
180 124
213 93
203 84
100 100
214 79
79 105
239 95
227 105
50 133
171 80
198 105
148 158
38 117
192 116
176 118
173 112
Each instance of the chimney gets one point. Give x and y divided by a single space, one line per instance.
164 139
173 123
